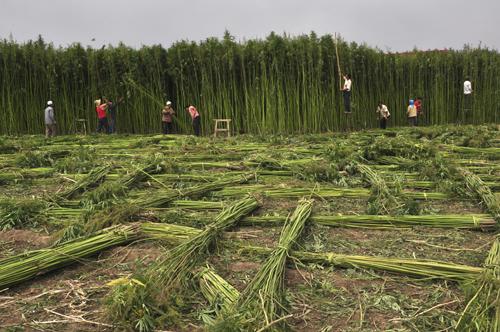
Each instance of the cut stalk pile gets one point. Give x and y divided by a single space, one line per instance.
22 267
482 312
264 296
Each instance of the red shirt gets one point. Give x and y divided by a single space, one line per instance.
193 112
418 105
101 111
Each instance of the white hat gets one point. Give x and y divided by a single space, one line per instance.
50 103
169 102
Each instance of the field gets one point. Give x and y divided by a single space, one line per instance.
374 230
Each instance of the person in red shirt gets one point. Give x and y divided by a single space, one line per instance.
418 106
195 117
101 108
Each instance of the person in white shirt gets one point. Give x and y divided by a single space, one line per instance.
384 114
50 120
467 87
346 92
467 100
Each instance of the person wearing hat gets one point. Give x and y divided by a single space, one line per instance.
167 114
50 120
412 114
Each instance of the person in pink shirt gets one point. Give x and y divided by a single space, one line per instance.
195 117
100 108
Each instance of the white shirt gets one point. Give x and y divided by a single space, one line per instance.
347 85
467 88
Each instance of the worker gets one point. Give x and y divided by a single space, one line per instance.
195 117
384 114
467 99
412 114
167 114
101 108
112 108
346 92
50 120
420 113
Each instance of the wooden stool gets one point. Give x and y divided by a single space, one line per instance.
226 129
81 124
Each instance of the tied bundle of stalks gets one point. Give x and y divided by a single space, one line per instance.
264 296
22 267
174 266
142 173
473 221
171 268
478 189
482 312
221 295
381 200
168 232
423 268
95 177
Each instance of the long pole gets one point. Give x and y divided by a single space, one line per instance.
338 61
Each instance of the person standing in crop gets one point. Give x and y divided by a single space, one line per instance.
384 115
167 114
418 106
412 114
102 116
467 100
195 117
50 120
112 108
346 92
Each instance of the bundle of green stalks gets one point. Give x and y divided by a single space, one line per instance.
141 174
472 221
221 295
163 277
95 177
26 266
168 232
320 191
14 175
381 200
195 191
477 187
482 312
489 153
264 296
428 269
177 262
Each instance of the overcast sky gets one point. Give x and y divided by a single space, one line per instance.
394 25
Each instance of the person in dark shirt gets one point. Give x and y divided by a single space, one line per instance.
112 108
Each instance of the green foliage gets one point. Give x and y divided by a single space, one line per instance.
33 159
81 161
277 85
20 212
399 146
131 304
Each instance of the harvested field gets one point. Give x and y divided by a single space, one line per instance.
369 231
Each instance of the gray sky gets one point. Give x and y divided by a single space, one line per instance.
388 24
